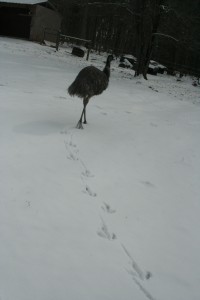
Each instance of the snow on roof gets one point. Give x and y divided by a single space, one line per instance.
29 2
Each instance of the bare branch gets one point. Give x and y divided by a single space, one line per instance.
165 35
107 3
124 5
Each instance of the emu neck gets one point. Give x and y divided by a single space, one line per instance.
106 70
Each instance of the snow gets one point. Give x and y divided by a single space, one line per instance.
127 63
153 62
108 212
29 2
130 56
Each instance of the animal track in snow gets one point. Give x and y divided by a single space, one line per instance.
104 232
135 271
27 92
128 112
108 209
143 289
147 183
138 275
71 149
72 154
28 203
99 107
86 172
89 191
135 268
64 131
151 87
153 124
71 144
60 97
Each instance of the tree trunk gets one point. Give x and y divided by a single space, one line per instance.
155 21
147 25
83 31
140 7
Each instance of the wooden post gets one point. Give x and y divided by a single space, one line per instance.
68 38
88 51
57 40
44 31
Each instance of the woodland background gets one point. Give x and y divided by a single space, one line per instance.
163 30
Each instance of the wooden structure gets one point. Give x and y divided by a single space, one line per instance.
59 39
27 18
76 50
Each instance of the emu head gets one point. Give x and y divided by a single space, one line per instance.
106 70
110 58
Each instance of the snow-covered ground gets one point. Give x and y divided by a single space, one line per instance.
110 212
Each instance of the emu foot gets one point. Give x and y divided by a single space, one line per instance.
85 122
79 125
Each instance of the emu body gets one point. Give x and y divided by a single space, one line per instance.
90 82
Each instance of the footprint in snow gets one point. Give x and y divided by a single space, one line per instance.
153 125
28 203
99 107
147 183
135 269
108 209
104 232
72 156
28 92
64 131
70 142
128 112
86 172
142 288
60 97
71 150
89 191
151 87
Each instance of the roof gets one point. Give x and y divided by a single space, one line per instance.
26 2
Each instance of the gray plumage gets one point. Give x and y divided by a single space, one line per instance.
90 82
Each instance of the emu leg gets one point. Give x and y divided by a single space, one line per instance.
85 102
79 124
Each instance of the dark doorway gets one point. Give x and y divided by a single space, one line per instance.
15 22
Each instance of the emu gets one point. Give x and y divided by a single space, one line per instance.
90 82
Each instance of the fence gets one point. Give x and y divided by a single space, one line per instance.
57 37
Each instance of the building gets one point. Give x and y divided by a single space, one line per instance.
28 19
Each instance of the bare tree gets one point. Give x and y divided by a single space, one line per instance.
148 18
164 30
